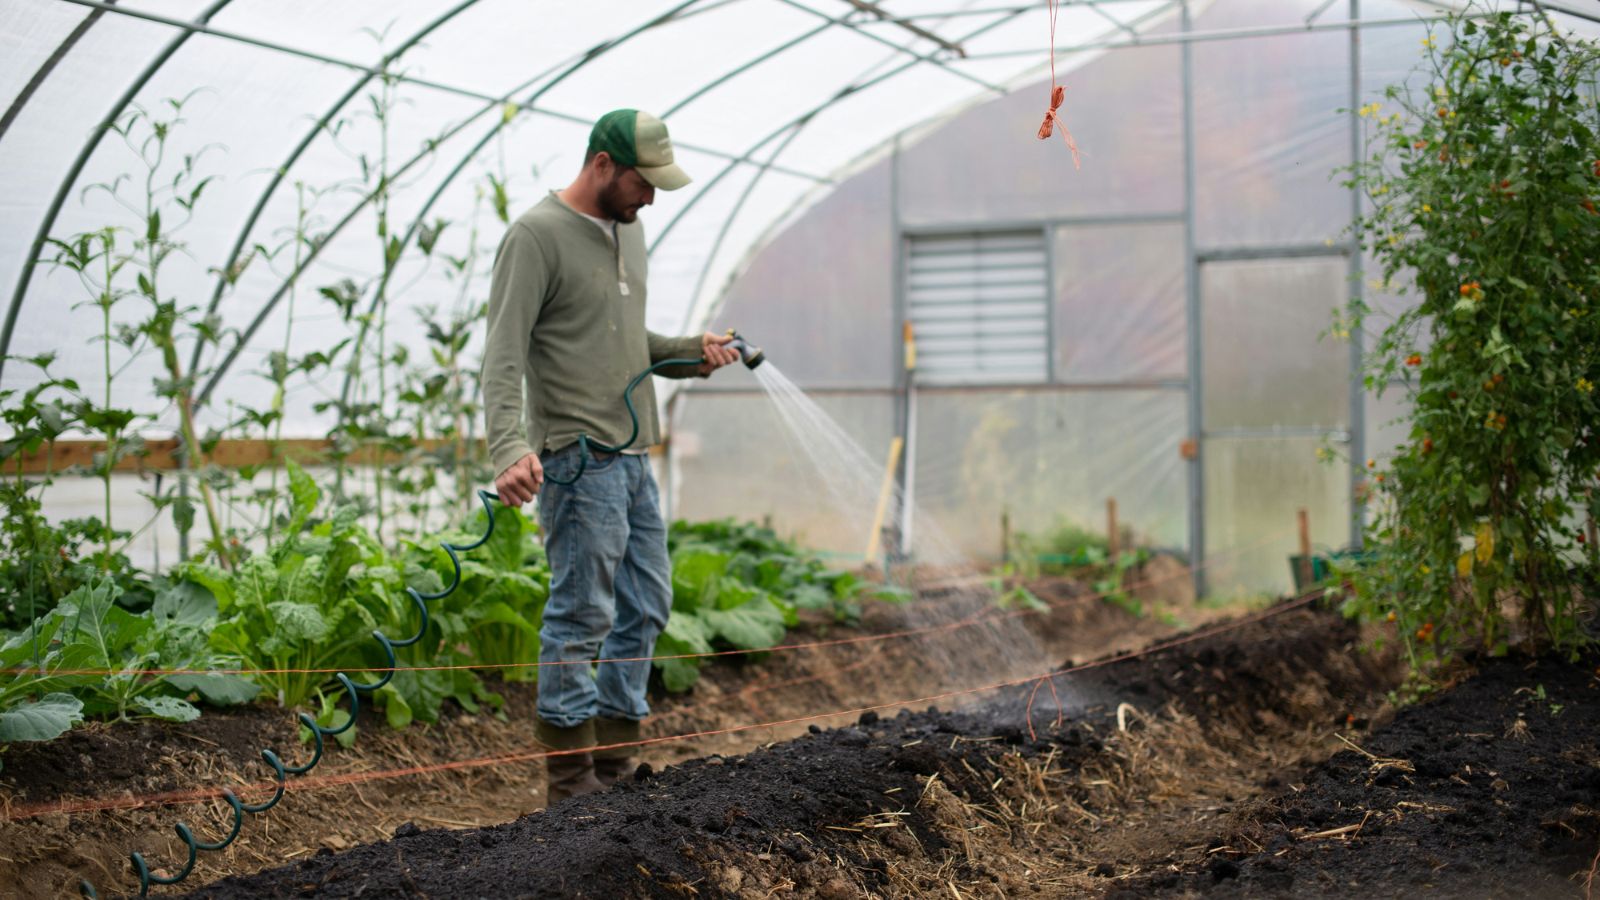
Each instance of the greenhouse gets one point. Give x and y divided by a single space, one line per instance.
1064 447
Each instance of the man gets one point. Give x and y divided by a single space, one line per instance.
567 320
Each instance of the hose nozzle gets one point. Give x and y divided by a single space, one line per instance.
752 355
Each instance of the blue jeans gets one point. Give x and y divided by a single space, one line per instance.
610 587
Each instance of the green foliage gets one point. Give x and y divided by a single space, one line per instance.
1484 186
310 601
504 584
1075 552
739 586
66 651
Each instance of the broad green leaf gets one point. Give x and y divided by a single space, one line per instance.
170 708
680 674
502 614
297 621
505 548
303 581
186 603
218 690
212 578
19 648
694 577
304 495
331 718
811 596
689 632
395 708
256 582
754 626
40 720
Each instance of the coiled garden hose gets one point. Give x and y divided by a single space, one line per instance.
752 356
352 688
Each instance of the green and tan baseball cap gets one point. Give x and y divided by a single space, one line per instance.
638 139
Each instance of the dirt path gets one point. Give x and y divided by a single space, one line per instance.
966 803
43 855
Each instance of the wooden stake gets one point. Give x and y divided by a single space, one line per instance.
1113 533
875 537
1005 536
1305 550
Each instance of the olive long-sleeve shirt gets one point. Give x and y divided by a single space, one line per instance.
566 319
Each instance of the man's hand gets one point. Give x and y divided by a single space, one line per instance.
717 354
520 481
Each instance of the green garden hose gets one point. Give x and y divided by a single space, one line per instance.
318 733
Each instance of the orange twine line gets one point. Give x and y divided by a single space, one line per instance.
320 781
957 625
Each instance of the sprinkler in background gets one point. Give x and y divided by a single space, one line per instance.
752 355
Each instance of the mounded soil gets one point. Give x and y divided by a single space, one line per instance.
1253 759
75 807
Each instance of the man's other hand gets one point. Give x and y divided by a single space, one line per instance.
713 347
520 481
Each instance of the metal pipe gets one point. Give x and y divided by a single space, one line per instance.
1358 393
1192 316
1221 34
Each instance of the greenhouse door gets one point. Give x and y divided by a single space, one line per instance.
1273 391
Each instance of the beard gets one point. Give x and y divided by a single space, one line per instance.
612 204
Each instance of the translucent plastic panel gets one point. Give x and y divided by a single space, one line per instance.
1268 133
838 134
1388 422
350 29
771 195
1263 364
987 163
739 112
732 457
33 31
1253 490
1046 458
819 297
1120 303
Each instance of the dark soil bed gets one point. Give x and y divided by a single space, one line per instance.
953 803
1490 790
74 807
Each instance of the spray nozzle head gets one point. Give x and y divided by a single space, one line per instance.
752 355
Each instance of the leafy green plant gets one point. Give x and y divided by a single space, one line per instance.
500 602
1484 185
41 561
164 195
739 586
66 652
298 605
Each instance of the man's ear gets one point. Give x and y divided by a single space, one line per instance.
603 164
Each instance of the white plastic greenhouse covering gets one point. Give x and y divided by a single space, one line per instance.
825 137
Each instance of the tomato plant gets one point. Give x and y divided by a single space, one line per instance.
1482 188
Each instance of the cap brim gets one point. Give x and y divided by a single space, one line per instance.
666 178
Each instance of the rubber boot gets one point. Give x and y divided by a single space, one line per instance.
569 774
614 764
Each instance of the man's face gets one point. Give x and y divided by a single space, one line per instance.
625 194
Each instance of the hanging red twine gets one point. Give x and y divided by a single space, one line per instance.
1057 94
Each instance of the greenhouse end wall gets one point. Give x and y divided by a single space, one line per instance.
1135 327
